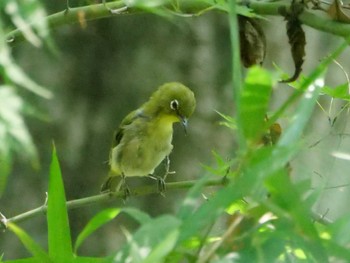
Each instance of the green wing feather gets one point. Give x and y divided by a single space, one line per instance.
118 134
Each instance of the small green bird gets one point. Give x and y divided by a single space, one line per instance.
143 139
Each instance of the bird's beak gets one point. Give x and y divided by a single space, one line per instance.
184 123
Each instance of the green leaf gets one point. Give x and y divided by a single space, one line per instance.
23 13
190 204
302 114
6 162
160 251
254 102
229 122
222 165
14 73
33 248
25 260
291 202
14 135
338 228
236 68
89 260
151 242
209 211
262 163
138 215
305 82
59 238
339 92
96 222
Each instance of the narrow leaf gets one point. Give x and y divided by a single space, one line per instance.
160 251
14 134
254 101
96 222
138 215
31 246
149 240
191 201
14 73
60 245
302 115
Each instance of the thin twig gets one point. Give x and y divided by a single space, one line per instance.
77 203
225 236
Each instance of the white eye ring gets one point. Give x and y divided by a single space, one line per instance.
174 104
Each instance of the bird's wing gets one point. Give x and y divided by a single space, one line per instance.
130 118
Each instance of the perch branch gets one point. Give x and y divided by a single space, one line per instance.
192 7
144 190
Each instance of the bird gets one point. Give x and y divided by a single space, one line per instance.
144 137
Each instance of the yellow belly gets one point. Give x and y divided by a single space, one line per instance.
142 148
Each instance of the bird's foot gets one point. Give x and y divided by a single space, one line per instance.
161 185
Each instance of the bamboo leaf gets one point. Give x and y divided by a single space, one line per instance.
96 222
33 248
59 238
254 101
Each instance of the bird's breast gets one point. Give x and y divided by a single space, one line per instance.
140 153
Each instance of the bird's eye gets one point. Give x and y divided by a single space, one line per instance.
174 104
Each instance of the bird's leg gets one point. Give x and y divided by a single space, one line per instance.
167 168
161 180
109 186
161 185
124 187
67 7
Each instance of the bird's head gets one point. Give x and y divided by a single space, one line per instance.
173 100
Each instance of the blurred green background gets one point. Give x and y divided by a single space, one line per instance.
101 70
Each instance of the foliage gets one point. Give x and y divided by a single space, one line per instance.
274 224
14 134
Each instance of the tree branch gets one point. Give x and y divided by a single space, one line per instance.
192 7
144 190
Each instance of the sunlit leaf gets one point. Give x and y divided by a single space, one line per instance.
14 73
254 101
60 245
291 203
25 12
14 135
229 122
302 115
339 92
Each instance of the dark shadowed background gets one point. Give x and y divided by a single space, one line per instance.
102 70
